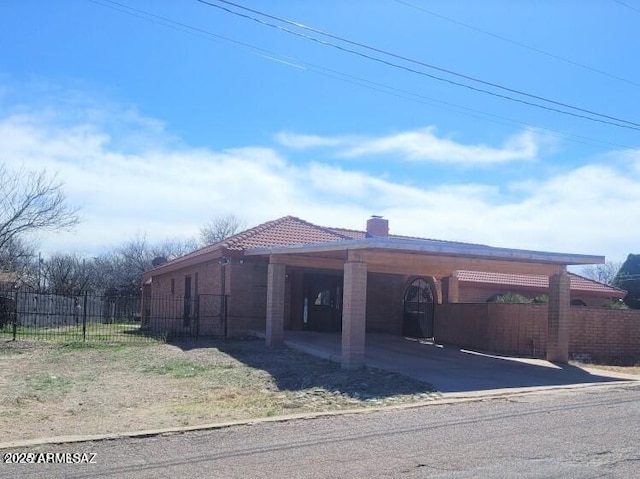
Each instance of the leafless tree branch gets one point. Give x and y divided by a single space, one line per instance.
32 201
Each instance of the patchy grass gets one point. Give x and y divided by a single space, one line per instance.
179 368
90 388
74 332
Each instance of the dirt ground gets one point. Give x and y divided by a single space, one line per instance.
51 389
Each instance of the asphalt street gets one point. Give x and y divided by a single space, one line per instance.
581 433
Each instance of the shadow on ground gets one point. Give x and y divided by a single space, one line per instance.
455 370
418 366
297 371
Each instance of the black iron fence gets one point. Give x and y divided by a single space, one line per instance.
92 317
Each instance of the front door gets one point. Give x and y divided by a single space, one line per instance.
322 303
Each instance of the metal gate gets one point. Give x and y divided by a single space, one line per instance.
418 312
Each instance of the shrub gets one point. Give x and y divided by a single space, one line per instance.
511 298
615 304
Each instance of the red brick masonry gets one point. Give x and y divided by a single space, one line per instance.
521 329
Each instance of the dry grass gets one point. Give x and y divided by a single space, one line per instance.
629 369
51 389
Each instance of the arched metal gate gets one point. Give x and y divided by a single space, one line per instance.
417 319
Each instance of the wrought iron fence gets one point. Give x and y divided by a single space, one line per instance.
92 317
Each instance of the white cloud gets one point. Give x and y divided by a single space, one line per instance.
304 142
422 145
171 190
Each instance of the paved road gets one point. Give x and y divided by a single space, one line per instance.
587 433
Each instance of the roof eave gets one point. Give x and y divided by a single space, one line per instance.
184 262
435 248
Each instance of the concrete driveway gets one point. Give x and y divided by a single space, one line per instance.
453 370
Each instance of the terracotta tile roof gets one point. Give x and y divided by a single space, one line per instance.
578 283
351 234
283 232
357 234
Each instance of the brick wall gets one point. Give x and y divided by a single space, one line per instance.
209 280
605 334
521 329
166 307
385 296
248 297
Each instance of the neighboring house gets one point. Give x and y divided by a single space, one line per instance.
9 280
294 275
478 286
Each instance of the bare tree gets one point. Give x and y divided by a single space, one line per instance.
68 274
603 273
220 228
31 201
18 255
172 248
120 271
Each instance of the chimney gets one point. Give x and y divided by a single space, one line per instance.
377 226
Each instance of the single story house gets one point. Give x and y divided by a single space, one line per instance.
294 275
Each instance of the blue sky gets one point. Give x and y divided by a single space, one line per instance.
159 115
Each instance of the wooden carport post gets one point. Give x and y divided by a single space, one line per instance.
558 319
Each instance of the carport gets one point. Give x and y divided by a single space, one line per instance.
452 370
438 260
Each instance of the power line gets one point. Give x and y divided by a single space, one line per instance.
167 22
625 123
352 79
520 44
627 5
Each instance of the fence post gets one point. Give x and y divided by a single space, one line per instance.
197 315
15 315
224 314
84 318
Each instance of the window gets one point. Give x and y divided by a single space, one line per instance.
323 298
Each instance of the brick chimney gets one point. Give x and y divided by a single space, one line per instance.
377 226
